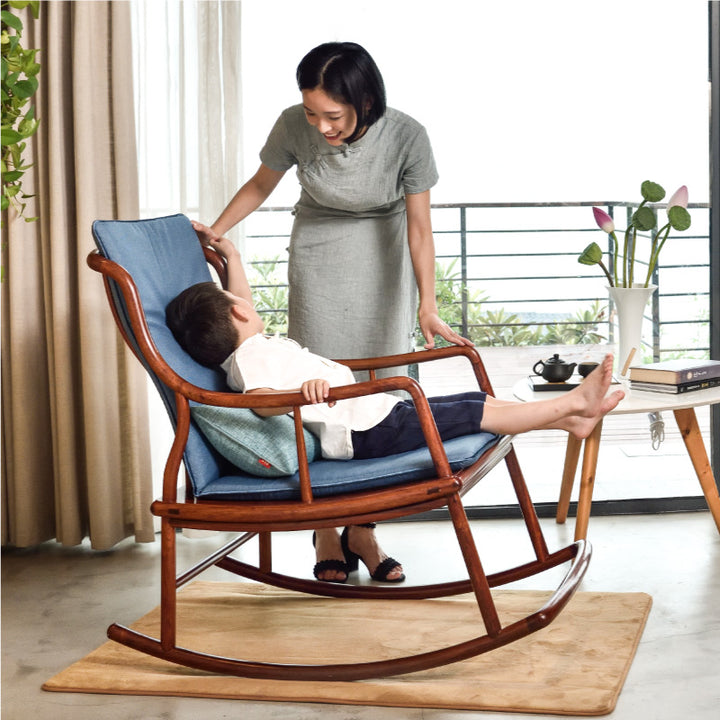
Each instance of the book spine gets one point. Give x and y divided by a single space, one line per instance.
654 387
670 377
709 373
677 388
700 385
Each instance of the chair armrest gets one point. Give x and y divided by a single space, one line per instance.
471 353
295 398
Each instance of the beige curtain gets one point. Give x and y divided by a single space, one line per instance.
75 455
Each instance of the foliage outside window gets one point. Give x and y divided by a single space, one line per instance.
270 295
486 328
497 328
19 83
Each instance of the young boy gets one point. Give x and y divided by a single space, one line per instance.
222 328
218 327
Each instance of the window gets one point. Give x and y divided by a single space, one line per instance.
523 101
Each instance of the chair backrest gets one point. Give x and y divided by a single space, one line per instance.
163 257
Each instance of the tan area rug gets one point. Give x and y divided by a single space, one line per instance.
575 666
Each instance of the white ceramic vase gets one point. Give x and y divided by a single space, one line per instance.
630 308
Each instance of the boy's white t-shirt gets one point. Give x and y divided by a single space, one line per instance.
281 364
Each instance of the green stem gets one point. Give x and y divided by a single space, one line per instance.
625 256
655 252
607 274
615 256
630 256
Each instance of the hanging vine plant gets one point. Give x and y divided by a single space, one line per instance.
19 83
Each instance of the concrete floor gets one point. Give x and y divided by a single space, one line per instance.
57 602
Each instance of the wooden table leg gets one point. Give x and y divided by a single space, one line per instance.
587 481
572 455
692 437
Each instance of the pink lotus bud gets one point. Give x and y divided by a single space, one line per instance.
604 221
680 197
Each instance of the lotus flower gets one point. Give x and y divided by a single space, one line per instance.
678 219
679 198
644 220
604 221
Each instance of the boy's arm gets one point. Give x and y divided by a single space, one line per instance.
269 412
237 279
314 391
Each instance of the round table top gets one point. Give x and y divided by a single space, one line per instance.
635 401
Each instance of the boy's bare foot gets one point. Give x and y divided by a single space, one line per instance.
593 402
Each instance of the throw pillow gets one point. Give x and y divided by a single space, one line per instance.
263 446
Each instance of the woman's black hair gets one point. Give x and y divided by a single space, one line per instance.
347 73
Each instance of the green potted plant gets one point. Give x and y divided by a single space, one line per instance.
644 219
19 83
628 296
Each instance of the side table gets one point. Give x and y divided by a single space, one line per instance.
635 401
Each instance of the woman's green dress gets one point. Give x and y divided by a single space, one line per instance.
352 285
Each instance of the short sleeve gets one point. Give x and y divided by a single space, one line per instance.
260 363
420 172
277 152
250 369
232 373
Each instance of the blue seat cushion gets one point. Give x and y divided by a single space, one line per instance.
333 477
263 446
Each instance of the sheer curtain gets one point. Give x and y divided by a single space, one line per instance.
219 108
186 64
186 61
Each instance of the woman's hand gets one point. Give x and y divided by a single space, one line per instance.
204 232
209 238
315 391
431 325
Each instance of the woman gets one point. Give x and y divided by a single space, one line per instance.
361 248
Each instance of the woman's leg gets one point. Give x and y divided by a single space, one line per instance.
329 556
361 541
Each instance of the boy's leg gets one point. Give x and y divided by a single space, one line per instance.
401 431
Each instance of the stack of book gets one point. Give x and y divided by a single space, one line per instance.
676 376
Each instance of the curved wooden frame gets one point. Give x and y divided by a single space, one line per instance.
263 518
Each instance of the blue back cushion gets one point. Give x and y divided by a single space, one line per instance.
164 257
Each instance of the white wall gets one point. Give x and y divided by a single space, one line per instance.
523 100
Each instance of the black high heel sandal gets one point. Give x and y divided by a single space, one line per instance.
381 572
337 565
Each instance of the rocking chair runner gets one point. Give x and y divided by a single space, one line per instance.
144 265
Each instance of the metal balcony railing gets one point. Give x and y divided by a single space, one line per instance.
508 274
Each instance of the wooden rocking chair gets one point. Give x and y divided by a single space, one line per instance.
144 265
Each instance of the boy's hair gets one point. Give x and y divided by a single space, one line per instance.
201 321
348 74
